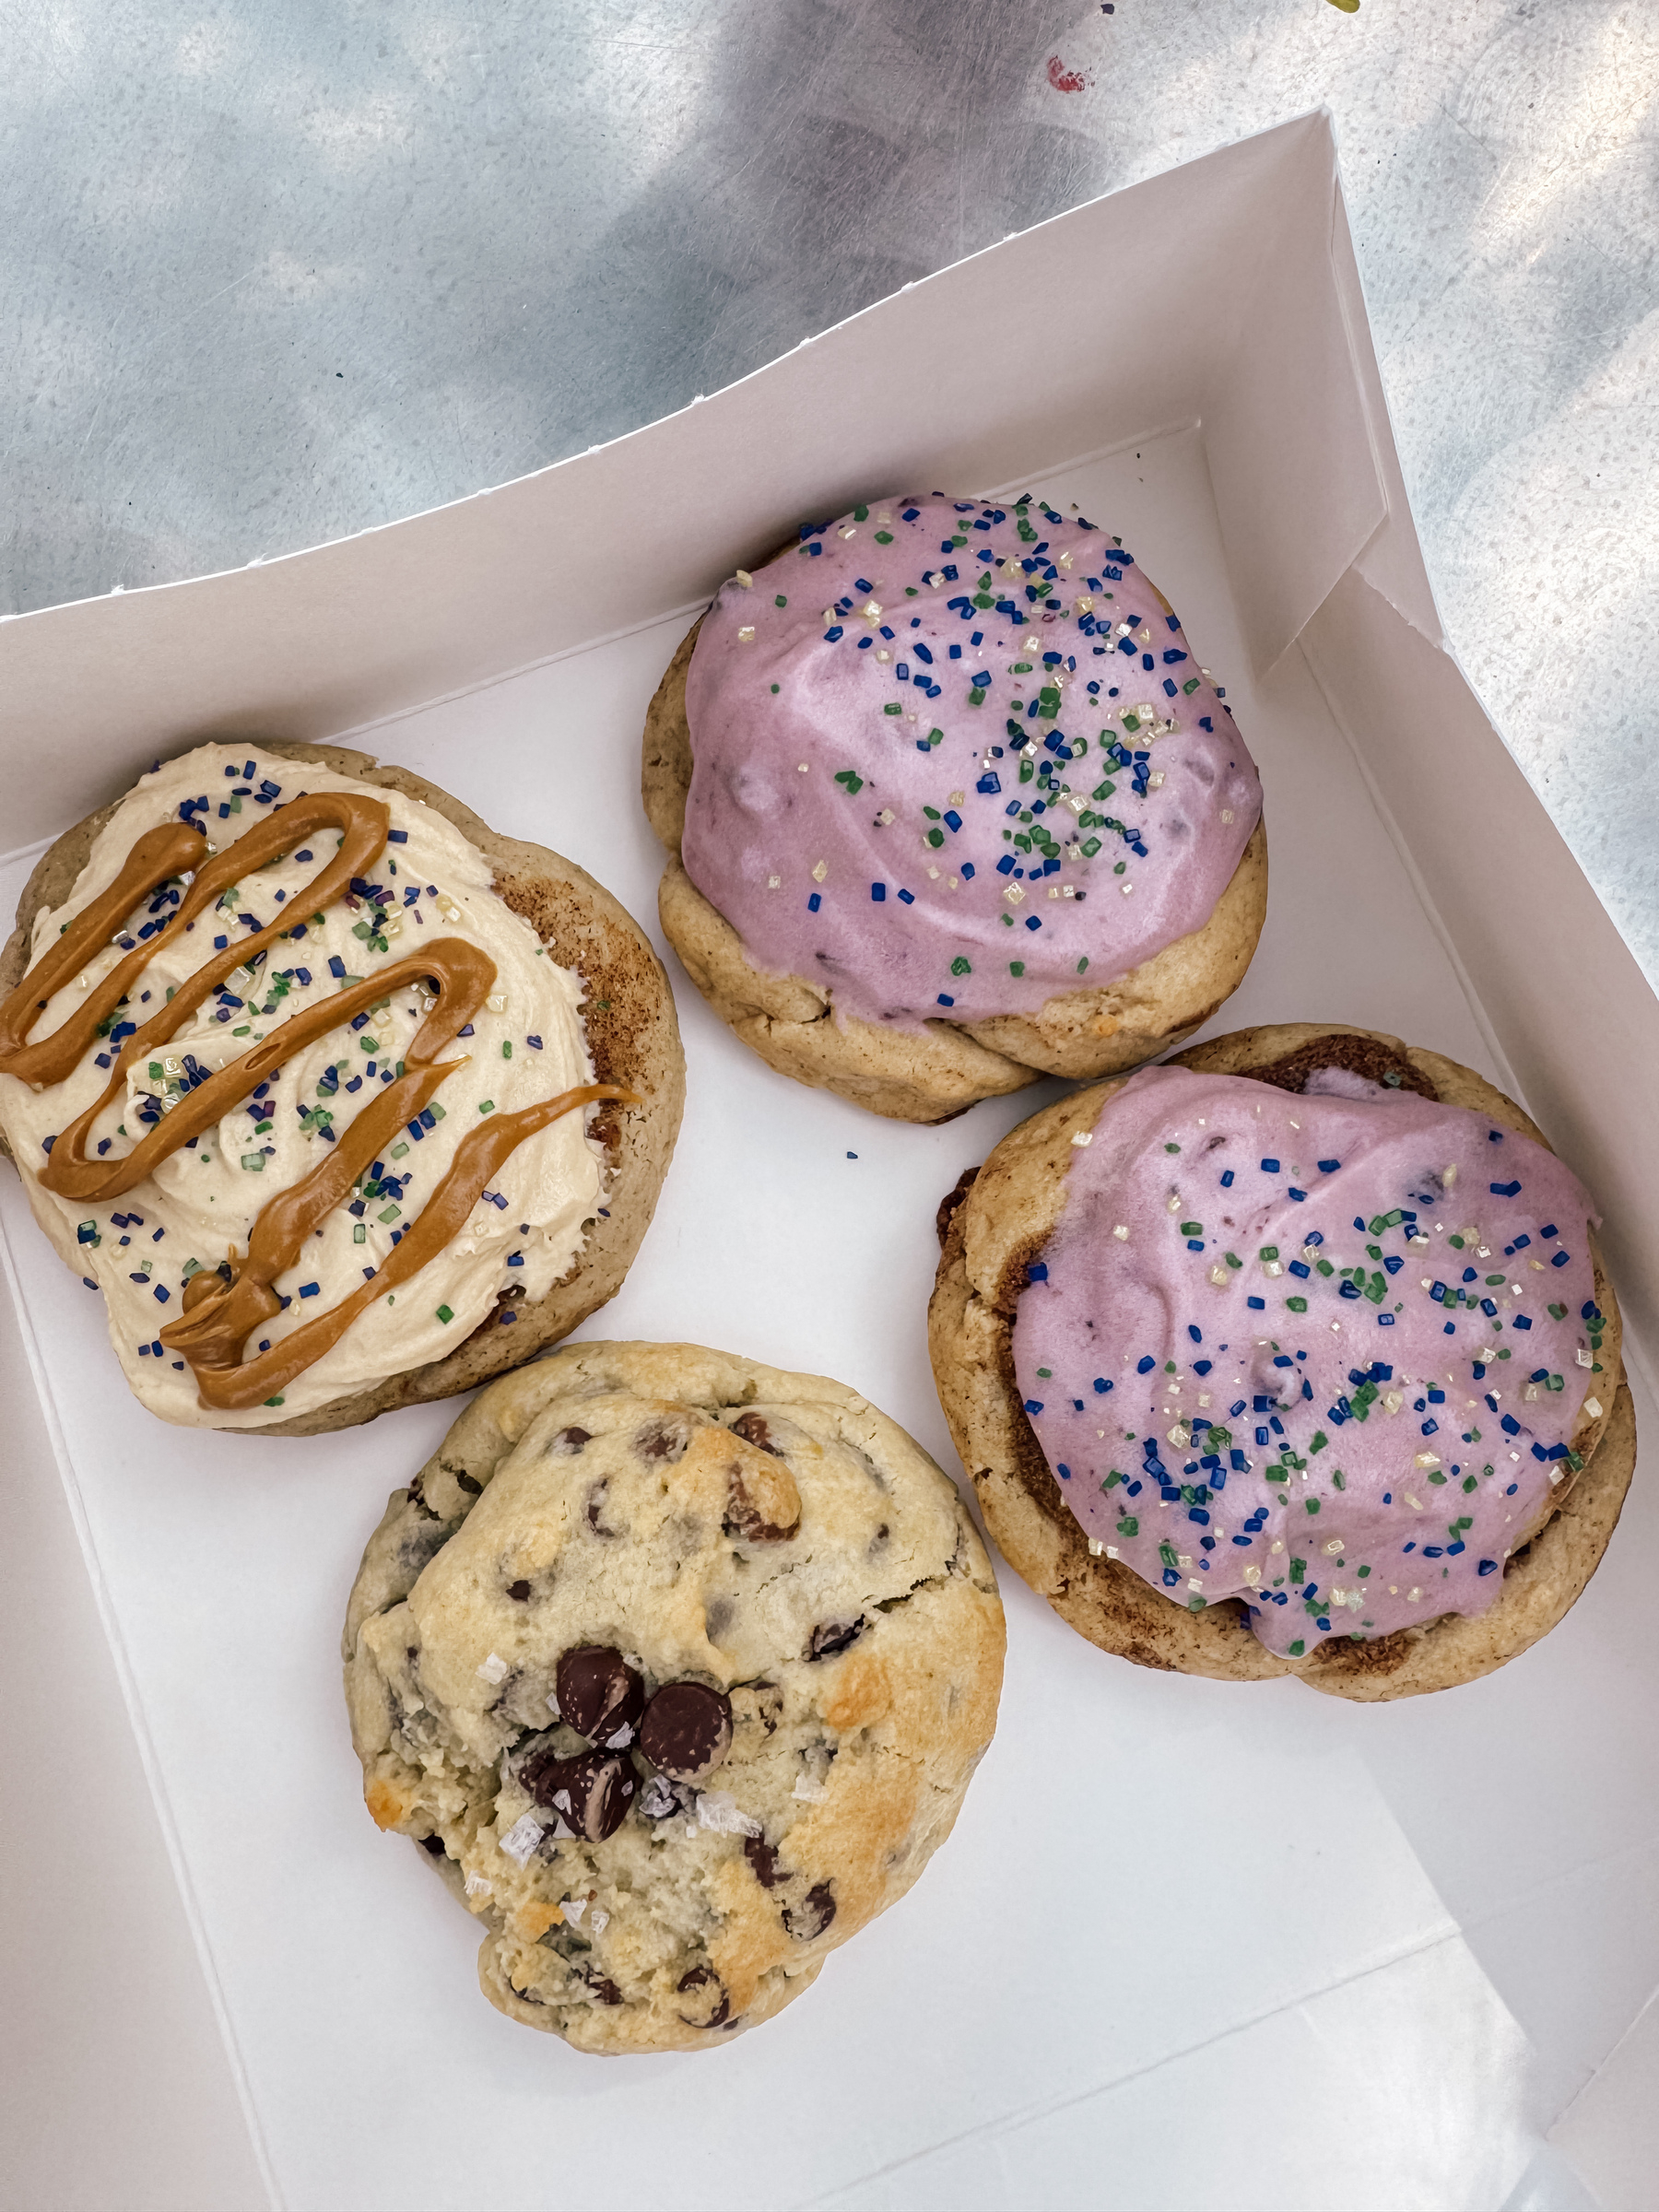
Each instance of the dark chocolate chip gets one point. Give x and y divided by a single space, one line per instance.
473 1489
763 1858
832 1636
520 1591
661 1440
599 1694
596 1508
591 1794
567 1443
687 1730
752 1429
813 1915
605 1992
703 1977
435 1844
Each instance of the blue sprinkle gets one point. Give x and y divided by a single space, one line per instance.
1328 1167
1144 1366
944 1000
813 903
1101 1384
1227 1180
1195 1333
1256 1305
1548 1230
1488 1567
1032 922
1504 1189
1560 1260
879 892
1031 1405
908 897
1064 1472
1270 1167
336 966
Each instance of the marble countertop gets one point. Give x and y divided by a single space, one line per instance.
271 275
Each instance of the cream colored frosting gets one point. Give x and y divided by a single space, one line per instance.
203 1200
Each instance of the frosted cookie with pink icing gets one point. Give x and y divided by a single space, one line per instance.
949 773
1293 1356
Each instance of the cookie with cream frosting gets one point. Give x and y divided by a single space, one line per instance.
194 1048
949 805
676 1667
1295 1354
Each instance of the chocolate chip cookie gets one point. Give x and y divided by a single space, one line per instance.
676 1667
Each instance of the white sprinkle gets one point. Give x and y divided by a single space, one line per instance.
574 1908
1252 1575
1121 1233
746 636
1127 889
1082 1139
819 871
772 882
1333 1550
809 1789
493 1670
1592 1407
522 1839
1095 1547
747 581
477 1887
851 531
1448 1177
1015 893
1583 1358
718 1810
1111 1549
600 1921
1155 779
1218 1275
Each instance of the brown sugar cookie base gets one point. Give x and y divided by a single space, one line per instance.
995 1223
947 1067
632 1036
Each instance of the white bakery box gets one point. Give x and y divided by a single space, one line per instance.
1192 1944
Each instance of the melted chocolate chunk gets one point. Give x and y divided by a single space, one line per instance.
465 1482
605 1992
765 1519
660 1440
951 1200
591 1794
705 1978
831 1637
813 1915
753 1430
1367 1056
763 1857
687 1730
599 1694
567 1443
520 1592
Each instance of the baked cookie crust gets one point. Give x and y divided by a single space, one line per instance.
997 1221
633 1038
951 1066
768 1537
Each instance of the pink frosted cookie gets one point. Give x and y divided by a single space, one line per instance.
948 773
1293 1356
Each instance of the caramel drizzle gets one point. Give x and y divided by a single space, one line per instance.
223 1307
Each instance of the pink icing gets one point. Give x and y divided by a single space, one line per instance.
856 809
1256 1456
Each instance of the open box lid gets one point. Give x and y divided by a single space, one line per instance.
1220 296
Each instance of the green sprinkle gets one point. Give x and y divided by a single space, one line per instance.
1269 1251
486 1106
445 1314
1047 1373
781 601
1166 1552
1172 1148
1128 1526
155 1065
360 1235
1298 1647
1016 967
390 1214
976 695
1233 1259
1190 685
1297 1568
959 967
936 838
1320 1441
860 515
1297 1305
891 708
1196 1605
253 1162
852 779
1113 1479
936 737
506 1050
1338 1479
398 1150
1312 1504
1191 1228
274 1401
1278 1475
775 687
883 537
1091 845
1131 721
1082 964
1324 1267
369 1044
